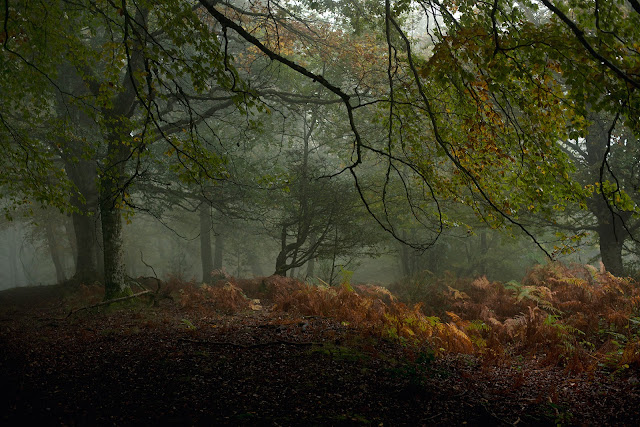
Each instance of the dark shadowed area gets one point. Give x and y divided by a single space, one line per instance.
233 360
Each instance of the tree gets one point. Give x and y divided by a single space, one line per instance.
138 75
318 218
599 71
591 49
606 166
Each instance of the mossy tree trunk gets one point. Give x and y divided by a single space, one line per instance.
113 179
111 203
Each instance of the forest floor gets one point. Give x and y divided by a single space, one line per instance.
138 364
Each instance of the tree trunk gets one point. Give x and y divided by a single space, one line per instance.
14 270
610 229
84 176
611 252
611 248
82 173
114 266
54 250
113 182
281 268
333 260
205 241
112 194
86 243
219 251
302 221
311 268
71 237
99 248
408 258
281 260
311 264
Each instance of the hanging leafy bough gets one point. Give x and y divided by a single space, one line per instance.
592 48
459 125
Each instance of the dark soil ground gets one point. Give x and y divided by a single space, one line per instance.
143 365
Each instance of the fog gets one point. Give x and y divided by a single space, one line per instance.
170 247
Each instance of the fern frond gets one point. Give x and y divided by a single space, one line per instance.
456 294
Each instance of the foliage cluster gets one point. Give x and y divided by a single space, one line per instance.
578 316
370 308
575 316
489 109
205 299
428 289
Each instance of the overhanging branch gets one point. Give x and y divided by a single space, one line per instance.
346 98
583 41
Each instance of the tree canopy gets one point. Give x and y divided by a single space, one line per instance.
428 104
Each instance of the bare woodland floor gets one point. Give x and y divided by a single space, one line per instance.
143 365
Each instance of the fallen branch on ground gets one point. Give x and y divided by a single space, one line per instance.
103 303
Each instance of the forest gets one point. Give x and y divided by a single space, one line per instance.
320 212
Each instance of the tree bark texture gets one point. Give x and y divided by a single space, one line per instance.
611 252
114 266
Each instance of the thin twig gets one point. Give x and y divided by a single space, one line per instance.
103 303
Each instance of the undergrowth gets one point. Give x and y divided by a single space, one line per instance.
576 316
573 316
